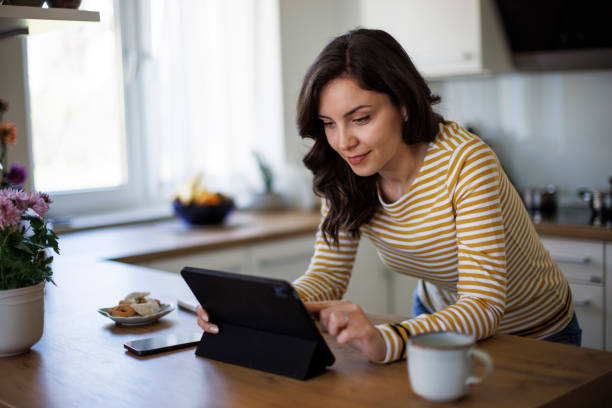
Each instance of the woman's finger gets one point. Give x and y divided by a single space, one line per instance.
340 308
338 321
208 327
203 321
315 308
202 314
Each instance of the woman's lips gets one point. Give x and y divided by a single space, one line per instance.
357 159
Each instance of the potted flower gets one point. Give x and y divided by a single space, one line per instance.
268 200
25 262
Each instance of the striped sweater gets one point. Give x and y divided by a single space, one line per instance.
461 227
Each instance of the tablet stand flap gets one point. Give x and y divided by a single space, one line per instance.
272 352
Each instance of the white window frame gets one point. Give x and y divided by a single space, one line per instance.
135 192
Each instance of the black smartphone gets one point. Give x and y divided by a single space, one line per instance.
159 344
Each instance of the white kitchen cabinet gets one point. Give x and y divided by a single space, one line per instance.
286 259
401 293
582 262
589 308
368 286
443 37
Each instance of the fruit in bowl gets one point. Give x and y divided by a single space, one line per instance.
198 206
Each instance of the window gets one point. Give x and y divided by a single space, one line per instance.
125 110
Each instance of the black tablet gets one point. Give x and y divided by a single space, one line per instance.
263 324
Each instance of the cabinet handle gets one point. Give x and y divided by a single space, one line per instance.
585 302
571 259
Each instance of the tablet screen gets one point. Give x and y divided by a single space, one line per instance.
256 304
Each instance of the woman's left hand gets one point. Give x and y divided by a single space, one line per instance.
348 323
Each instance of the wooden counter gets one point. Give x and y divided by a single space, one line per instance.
156 240
80 361
574 231
572 222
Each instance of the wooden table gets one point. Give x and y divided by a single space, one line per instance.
80 361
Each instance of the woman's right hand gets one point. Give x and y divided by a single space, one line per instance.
203 321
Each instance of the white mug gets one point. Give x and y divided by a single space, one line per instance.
440 365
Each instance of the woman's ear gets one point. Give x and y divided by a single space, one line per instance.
404 114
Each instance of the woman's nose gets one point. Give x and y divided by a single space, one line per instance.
346 140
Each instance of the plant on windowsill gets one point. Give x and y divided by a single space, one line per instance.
268 200
25 245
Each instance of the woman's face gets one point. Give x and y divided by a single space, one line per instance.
363 126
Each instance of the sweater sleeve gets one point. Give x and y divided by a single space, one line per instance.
473 186
330 268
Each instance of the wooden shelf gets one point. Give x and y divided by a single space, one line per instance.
24 20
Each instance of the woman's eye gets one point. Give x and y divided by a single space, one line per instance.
362 119
328 124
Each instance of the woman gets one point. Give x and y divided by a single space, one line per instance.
433 199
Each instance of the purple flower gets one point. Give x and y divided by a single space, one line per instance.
16 174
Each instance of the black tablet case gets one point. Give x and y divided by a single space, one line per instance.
262 324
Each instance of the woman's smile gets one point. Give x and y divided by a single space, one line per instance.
354 160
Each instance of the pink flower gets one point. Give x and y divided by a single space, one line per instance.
10 214
20 198
8 133
40 203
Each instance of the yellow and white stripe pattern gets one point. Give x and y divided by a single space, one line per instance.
462 228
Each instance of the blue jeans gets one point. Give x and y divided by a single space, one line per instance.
417 306
571 334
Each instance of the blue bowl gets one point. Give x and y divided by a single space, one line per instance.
197 214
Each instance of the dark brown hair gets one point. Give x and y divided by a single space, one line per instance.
378 63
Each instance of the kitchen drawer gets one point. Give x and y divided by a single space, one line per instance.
589 308
580 260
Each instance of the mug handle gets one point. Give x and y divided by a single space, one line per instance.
484 359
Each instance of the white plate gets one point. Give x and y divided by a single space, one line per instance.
164 309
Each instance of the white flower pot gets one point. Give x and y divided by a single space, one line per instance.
21 318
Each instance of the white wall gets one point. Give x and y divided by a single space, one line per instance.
553 127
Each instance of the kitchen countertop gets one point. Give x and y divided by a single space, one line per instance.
161 239
571 223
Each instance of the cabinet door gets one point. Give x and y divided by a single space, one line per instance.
401 293
229 260
368 285
286 259
588 305
442 37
